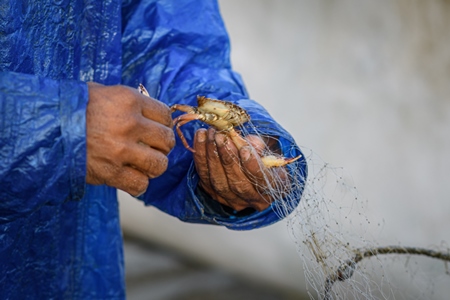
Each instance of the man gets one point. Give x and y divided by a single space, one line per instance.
73 130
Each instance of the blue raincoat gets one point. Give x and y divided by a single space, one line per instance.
59 237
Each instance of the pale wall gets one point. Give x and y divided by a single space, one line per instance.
366 85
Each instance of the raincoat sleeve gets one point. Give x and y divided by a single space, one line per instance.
178 50
42 143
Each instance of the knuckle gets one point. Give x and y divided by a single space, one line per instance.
227 158
168 121
109 173
121 151
118 151
260 206
220 186
138 185
161 109
170 139
163 164
129 180
154 167
242 189
129 125
128 96
159 137
238 207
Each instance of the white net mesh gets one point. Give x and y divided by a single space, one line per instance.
341 247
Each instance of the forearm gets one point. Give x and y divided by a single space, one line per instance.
180 52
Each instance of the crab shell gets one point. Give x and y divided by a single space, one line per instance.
223 115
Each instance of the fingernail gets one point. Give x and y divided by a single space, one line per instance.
245 153
201 136
211 133
140 194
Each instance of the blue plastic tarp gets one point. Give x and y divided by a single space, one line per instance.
59 237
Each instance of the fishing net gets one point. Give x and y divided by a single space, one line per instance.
341 245
338 242
353 50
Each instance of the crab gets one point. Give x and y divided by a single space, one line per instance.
223 116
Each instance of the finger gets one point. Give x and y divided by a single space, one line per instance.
131 181
155 135
238 182
156 110
256 142
237 203
264 179
200 161
149 107
201 165
217 176
149 161
277 183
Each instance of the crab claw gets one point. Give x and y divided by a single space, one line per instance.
143 90
271 161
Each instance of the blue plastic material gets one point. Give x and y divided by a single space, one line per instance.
61 238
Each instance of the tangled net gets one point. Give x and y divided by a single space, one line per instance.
330 228
338 243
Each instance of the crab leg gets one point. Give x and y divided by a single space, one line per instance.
180 121
184 108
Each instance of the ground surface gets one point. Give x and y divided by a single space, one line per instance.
157 273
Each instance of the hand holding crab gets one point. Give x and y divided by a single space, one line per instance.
232 169
235 177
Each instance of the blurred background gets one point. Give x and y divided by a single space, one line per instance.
366 86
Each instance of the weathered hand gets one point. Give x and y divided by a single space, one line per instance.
128 138
235 178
